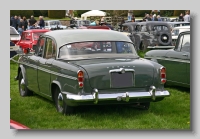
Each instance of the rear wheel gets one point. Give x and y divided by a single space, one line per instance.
60 104
24 91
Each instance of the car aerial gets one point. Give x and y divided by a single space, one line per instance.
175 59
30 37
150 34
67 69
176 31
54 25
14 35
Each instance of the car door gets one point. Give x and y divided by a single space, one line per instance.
32 72
45 67
177 61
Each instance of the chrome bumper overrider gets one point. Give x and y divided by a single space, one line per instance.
95 97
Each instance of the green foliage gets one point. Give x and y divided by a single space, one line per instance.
37 13
141 13
178 12
166 13
44 13
56 13
75 13
22 13
78 13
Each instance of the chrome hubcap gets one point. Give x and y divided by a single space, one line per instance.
60 101
22 86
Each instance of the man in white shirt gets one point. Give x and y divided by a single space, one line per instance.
187 17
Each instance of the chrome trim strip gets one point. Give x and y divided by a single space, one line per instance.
169 59
48 71
164 47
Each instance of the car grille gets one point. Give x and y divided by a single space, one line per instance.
122 80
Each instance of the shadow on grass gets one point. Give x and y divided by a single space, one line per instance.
179 88
123 109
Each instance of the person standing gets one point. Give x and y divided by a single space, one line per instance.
32 22
186 17
21 26
148 17
133 18
158 17
154 18
41 22
25 22
15 23
181 17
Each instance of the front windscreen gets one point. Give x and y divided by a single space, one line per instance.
94 49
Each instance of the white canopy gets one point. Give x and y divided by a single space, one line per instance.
92 13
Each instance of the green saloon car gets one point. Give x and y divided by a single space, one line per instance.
176 61
90 67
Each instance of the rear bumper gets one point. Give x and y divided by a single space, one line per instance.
127 97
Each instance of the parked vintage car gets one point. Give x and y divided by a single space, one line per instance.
67 71
165 19
14 35
150 34
17 125
175 59
98 27
79 23
13 49
176 31
54 25
30 37
178 24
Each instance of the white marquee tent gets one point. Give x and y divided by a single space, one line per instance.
92 13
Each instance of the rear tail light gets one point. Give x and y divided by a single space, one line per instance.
163 75
80 78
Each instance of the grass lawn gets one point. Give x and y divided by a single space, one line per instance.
38 113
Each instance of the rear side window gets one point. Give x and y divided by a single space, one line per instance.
184 43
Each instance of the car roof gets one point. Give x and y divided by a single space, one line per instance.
37 30
156 22
177 22
182 27
63 37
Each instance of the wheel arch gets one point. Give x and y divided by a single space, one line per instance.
54 85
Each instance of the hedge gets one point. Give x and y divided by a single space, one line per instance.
22 13
56 13
44 13
140 13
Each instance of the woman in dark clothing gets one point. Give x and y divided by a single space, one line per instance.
133 18
25 23
181 17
